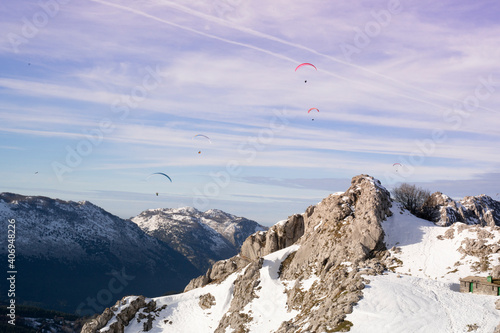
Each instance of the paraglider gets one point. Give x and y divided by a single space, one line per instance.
203 136
159 173
397 165
305 64
311 110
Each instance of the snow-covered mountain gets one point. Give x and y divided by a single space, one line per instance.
355 261
76 257
445 211
202 237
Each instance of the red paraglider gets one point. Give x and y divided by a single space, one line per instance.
305 64
312 109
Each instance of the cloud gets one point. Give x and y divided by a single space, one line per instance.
226 70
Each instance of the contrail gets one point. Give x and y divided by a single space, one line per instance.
302 47
274 54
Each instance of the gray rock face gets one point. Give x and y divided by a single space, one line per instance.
444 211
342 234
116 318
206 301
244 292
279 236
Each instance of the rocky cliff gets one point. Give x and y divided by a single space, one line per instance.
444 211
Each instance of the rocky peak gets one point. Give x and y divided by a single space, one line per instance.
444 211
334 238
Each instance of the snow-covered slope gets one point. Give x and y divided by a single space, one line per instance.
400 304
423 293
183 313
202 237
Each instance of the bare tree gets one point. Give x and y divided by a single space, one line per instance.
411 197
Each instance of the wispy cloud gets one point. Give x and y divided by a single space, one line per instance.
226 69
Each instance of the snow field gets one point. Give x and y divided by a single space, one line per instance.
423 295
183 313
413 305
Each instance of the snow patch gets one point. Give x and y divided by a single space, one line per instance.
269 310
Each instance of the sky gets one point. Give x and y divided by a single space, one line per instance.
95 96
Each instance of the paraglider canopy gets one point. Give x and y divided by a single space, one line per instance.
312 109
305 64
204 136
160 173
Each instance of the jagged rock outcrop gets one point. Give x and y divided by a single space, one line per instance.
244 292
122 312
343 234
206 301
338 238
279 236
444 211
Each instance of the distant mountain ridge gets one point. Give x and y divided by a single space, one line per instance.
83 250
202 237
76 257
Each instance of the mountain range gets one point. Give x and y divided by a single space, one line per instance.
202 237
357 261
78 258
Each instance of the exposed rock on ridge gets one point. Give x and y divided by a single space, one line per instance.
444 211
343 236
279 236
